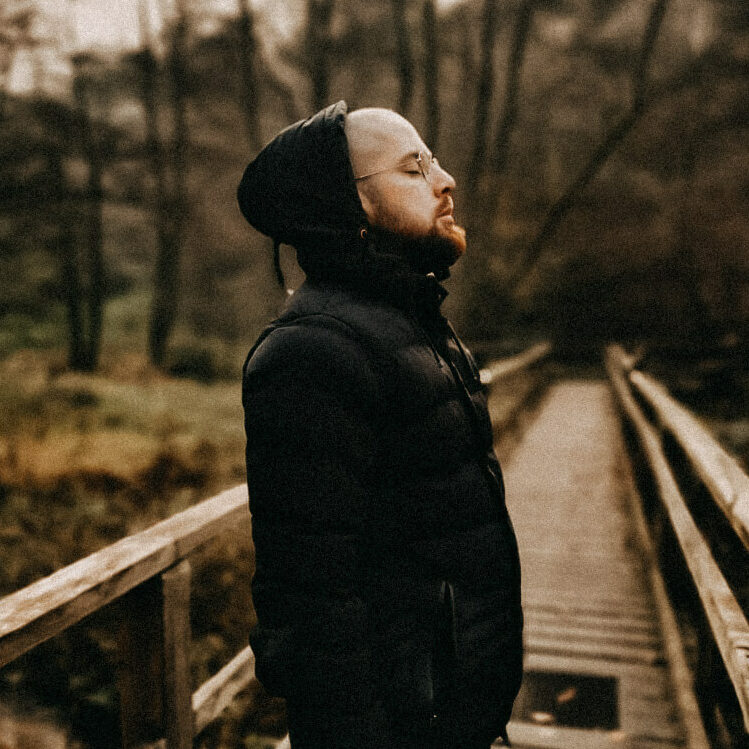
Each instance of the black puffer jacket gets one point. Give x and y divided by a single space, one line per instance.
387 575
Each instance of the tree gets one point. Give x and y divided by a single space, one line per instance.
404 55
602 153
484 90
317 43
250 90
172 199
90 141
431 74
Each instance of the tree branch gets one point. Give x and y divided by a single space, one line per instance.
404 55
601 155
250 94
484 90
319 15
166 285
93 211
510 107
431 73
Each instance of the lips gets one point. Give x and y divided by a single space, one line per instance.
446 209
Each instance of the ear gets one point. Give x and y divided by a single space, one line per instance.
366 200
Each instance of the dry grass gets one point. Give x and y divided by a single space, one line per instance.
85 460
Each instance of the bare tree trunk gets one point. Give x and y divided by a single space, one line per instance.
484 90
157 163
95 246
601 155
431 74
319 16
687 261
69 272
164 311
404 56
94 296
463 27
510 106
250 94
687 265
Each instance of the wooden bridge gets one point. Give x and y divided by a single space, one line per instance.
633 527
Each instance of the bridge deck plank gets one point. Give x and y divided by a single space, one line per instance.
586 590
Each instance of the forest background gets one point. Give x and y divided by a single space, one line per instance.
602 164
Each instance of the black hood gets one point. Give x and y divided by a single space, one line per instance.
300 190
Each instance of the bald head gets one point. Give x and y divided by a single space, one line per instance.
375 136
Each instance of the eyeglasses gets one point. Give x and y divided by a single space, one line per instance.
423 161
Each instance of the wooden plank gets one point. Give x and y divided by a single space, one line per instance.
178 717
215 695
548 737
719 471
202 522
140 641
592 649
599 635
681 676
625 624
514 364
628 672
592 600
572 606
727 621
45 608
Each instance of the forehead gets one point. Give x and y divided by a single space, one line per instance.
379 137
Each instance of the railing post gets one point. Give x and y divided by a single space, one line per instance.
140 658
178 717
154 668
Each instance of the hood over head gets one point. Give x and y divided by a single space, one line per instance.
300 190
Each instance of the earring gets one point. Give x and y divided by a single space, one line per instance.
363 233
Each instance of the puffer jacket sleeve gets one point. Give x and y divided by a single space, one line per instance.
309 393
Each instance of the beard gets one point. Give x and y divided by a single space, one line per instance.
434 251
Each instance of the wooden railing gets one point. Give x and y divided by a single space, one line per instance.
502 368
148 576
675 445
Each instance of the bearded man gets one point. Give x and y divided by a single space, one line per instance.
387 580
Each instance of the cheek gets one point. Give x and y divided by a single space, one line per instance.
403 207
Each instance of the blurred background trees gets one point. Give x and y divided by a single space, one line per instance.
601 148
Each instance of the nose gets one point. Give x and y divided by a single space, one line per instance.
442 180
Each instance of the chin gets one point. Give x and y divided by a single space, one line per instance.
456 235
453 238
436 251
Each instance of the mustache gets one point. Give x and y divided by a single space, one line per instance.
445 206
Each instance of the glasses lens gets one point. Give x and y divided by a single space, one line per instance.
425 160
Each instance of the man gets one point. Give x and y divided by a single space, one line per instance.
387 575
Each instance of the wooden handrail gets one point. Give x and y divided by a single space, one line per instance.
148 576
45 608
720 473
725 616
512 365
